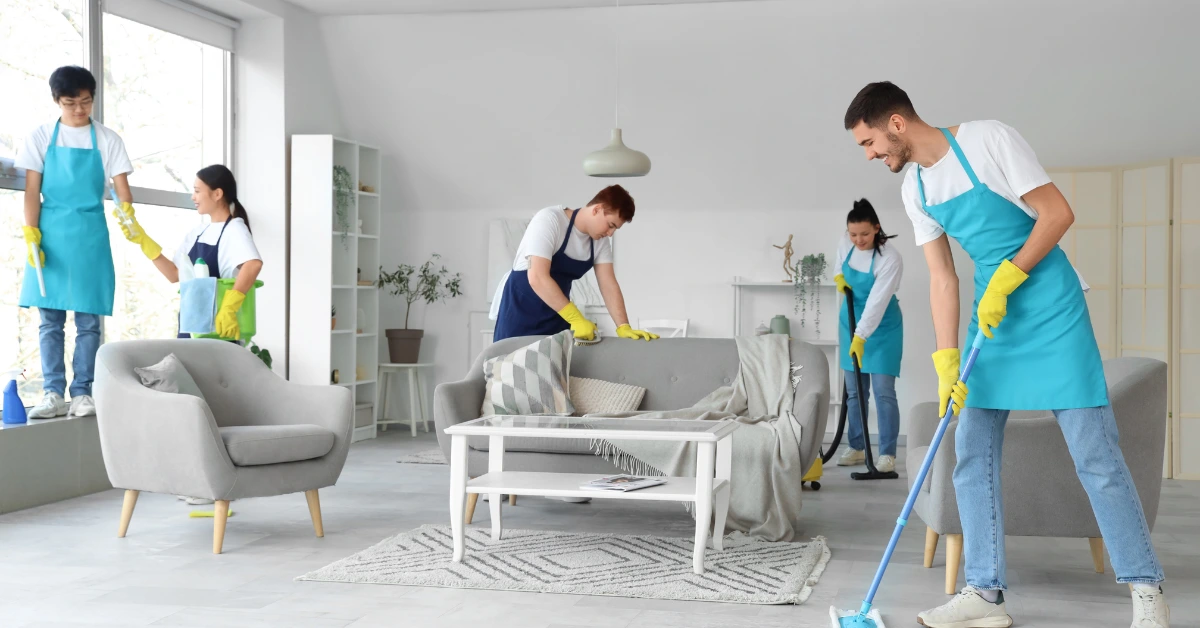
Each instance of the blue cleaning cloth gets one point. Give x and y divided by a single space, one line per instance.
198 305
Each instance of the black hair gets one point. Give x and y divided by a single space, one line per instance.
69 80
876 103
219 177
864 212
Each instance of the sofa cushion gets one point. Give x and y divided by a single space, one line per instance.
169 376
596 396
250 445
533 380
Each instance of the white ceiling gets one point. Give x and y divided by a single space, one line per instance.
375 7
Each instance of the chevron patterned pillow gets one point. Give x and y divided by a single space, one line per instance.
532 380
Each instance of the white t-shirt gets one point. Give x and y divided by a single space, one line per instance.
32 155
237 245
889 267
545 234
1001 159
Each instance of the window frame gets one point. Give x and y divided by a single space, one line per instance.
12 178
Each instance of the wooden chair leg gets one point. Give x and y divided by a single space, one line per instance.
1097 545
931 541
472 498
220 516
512 500
127 512
954 546
314 510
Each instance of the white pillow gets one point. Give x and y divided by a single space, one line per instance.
596 396
532 380
169 376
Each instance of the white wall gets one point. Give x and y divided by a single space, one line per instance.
739 105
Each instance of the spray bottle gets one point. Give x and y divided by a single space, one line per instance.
14 409
123 217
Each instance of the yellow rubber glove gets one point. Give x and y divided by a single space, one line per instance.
33 235
857 344
226 321
946 362
150 248
840 280
993 305
625 331
580 326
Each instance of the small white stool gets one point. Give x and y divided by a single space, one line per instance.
416 395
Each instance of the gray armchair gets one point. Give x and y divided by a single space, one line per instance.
1042 494
258 435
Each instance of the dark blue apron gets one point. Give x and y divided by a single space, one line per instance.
209 253
523 312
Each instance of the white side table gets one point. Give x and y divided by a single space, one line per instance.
416 395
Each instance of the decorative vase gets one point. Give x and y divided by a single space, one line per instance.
781 325
404 345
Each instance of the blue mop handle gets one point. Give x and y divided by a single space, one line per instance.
920 479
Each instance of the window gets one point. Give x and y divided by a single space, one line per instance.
166 90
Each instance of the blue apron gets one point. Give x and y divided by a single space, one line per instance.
1044 354
210 253
523 312
79 271
886 345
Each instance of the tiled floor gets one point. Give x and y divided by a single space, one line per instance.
62 565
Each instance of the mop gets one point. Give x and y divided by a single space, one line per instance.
867 617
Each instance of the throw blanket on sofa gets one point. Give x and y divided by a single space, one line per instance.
765 492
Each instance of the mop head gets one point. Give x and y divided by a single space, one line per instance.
852 619
202 514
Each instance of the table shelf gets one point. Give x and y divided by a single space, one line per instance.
567 485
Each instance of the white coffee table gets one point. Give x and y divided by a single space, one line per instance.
709 489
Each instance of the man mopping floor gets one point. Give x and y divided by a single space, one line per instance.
980 183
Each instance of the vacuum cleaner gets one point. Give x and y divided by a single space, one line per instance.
867 617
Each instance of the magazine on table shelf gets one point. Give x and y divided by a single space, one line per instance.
622 482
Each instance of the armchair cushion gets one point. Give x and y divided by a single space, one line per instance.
250 445
169 376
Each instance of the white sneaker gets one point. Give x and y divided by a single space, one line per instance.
52 405
83 405
886 464
198 501
1150 608
851 458
968 609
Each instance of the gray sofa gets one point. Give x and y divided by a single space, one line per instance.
257 435
1042 495
676 373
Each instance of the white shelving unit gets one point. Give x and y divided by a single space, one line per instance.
329 258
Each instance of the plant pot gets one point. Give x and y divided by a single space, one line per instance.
404 345
333 323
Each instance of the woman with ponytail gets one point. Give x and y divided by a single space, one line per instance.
871 270
223 241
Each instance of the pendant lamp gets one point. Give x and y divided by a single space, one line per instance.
616 159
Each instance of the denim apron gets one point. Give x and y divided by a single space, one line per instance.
886 345
523 312
1044 354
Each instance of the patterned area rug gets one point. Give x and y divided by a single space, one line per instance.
432 456
747 572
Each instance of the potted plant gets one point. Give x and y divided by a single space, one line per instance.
343 192
412 284
333 317
806 282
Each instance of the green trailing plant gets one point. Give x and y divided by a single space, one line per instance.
806 281
263 354
427 283
343 199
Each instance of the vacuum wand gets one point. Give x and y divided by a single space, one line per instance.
872 472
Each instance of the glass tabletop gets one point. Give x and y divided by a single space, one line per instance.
598 423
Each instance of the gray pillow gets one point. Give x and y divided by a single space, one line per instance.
532 380
169 376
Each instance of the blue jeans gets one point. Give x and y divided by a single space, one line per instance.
1091 435
87 343
888 411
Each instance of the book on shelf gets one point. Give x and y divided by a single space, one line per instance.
622 482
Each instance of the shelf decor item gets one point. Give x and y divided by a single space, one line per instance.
809 272
788 251
343 192
333 317
429 285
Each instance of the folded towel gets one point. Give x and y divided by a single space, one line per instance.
197 305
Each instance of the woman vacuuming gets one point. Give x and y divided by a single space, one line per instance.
872 271
224 243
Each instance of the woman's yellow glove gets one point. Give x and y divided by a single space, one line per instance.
946 362
993 305
840 280
856 348
226 322
625 331
580 326
150 248
33 235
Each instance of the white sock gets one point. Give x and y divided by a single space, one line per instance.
990 595
1147 588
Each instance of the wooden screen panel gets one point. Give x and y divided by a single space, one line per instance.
1185 425
1090 244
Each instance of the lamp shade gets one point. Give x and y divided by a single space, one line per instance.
616 160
